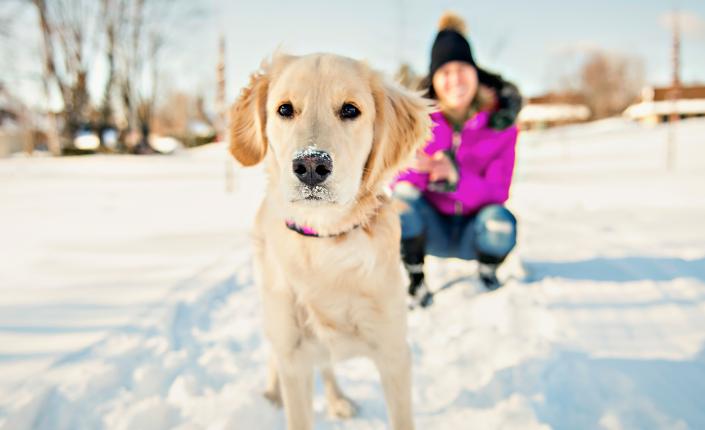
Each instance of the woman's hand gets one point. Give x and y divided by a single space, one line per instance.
442 168
438 166
422 162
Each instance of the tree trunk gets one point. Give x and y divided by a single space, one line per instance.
54 140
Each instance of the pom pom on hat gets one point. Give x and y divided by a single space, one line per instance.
451 21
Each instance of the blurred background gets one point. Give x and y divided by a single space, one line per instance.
126 296
117 69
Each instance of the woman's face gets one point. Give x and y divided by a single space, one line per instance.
455 84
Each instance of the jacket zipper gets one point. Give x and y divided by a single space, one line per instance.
457 138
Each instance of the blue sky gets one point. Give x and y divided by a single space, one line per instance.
526 40
530 42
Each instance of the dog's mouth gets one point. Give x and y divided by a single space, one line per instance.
313 194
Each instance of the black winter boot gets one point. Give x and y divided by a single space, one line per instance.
488 271
413 251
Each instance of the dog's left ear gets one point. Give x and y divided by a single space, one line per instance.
402 125
248 141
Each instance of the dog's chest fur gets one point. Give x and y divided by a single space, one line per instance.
344 287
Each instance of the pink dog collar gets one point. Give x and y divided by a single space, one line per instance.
310 232
307 231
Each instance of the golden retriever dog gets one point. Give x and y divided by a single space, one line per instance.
331 132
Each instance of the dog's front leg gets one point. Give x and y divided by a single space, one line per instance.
293 359
339 406
394 365
296 384
273 391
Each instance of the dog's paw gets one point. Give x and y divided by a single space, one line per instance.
341 407
274 397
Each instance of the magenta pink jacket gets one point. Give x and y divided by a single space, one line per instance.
485 162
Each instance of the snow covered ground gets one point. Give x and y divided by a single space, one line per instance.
126 297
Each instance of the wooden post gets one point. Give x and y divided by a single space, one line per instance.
221 108
674 93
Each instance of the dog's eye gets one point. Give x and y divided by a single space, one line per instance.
286 110
349 111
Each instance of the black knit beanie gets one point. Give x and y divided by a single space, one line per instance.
450 45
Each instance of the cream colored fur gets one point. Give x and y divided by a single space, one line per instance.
327 299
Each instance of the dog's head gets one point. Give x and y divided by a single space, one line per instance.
334 129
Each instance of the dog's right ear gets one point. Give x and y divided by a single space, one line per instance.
248 119
402 125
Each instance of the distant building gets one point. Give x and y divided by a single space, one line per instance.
13 137
553 109
8 107
659 104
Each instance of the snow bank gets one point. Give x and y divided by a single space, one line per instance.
126 297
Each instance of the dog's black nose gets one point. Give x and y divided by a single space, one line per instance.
312 167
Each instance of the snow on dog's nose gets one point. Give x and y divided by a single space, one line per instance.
312 167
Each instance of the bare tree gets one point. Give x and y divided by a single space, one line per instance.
407 77
69 30
6 18
183 115
607 82
113 14
128 34
610 82
139 38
